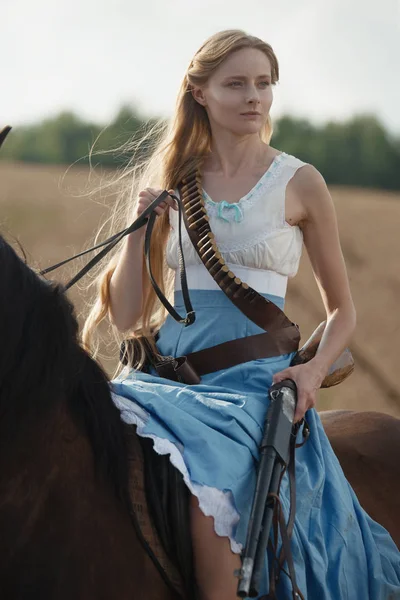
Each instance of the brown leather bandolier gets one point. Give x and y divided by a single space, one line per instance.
281 337
261 311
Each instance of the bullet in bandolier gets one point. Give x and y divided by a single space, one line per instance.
206 247
205 238
217 265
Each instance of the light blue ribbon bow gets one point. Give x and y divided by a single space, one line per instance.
238 211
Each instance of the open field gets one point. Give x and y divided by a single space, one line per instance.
43 212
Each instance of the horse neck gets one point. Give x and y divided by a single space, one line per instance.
46 448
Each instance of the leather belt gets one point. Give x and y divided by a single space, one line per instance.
189 368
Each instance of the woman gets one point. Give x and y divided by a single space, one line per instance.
262 204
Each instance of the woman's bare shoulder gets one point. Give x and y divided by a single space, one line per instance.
308 179
311 190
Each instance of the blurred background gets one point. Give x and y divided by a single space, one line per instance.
77 71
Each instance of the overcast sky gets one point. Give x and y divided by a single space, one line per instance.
336 57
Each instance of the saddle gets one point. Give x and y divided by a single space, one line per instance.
160 501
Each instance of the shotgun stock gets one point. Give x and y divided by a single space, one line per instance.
339 370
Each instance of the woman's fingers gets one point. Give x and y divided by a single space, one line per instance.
278 377
306 393
172 201
153 192
148 195
304 403
301 408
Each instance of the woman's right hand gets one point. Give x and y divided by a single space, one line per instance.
147 196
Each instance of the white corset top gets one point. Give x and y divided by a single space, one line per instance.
253 232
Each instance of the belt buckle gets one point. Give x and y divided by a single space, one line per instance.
166 367
164 360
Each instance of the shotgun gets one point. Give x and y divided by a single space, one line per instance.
274 457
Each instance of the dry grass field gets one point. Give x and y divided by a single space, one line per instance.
42 209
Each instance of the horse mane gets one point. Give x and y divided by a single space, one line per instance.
42 363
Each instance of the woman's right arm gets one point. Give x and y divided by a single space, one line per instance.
126 289
126 284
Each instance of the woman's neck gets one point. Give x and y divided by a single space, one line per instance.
232 157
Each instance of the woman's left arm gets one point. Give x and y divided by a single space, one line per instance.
321 239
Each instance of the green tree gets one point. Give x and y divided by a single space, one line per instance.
356 152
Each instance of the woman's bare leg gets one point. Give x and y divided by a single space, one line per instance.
214 560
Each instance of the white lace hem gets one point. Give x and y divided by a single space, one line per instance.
212 501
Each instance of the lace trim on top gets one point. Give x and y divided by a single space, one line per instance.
263 236
271 243
261 186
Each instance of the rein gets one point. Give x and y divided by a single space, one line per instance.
148 216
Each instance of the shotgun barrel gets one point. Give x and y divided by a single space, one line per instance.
274 456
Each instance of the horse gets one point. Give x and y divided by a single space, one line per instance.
67 524
67 528
367 445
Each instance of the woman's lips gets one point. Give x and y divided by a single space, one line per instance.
250 115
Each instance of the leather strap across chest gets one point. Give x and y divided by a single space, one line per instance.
260 310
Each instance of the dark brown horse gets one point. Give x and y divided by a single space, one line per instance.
66 524
367 445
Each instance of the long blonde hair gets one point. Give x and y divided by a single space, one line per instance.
177 149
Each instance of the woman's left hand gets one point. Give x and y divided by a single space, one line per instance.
308 380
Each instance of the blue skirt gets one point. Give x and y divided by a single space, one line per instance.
212 432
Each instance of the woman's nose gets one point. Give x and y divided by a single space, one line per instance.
253 96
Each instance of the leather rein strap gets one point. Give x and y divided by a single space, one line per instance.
148 217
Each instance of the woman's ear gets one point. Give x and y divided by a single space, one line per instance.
198 95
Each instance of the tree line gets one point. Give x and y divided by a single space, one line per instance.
359 151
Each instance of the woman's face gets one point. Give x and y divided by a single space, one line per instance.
242 83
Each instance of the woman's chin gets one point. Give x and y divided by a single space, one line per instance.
245 129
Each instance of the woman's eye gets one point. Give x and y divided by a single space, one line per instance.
237 83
